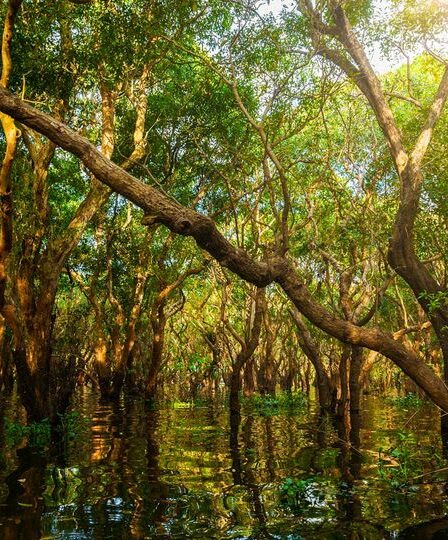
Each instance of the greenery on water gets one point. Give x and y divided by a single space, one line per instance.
408 401
271 405
293 488
72 425
405 462
299 494
39 434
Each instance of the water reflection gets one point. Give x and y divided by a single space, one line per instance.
141 472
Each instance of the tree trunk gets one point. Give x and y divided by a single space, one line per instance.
6 371
249 377
33 383
325 387
235 386
248 346
356 361
102 368
158 339
161 209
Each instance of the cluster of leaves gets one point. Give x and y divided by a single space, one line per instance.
409 401
401 465
300 493
38 434
197 363
435 301
71 426
269 405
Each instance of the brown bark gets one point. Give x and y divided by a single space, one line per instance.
402 256
159 317
160 208
249 377
6 372
248 344
214 342
158 324
268 368
325 387
356 362
125 351
11 136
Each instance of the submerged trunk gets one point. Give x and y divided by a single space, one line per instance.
45 382
32 360
235 388
6 367
158 339
33 388
102 368
248 346
356 362
249 377
325 387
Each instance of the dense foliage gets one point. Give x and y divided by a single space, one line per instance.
276 127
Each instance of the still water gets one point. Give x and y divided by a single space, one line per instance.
181 471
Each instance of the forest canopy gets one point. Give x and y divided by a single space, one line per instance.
207 195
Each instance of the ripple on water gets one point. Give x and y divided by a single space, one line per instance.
183 473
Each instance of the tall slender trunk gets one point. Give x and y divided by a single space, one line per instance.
356 361
158 324
325 386
249 377
344 395
248 346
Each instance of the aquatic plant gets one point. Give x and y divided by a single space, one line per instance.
408 401
269 405
301 494
71 426
404 463
294 488
37 433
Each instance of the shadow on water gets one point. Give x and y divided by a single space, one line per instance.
178 471
243 473
436 529
24 503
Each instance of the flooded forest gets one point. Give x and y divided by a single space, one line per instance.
223 269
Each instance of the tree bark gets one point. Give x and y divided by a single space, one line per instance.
160 208
248 346
158 323
11 136
326 390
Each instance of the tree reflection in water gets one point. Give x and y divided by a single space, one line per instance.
199 472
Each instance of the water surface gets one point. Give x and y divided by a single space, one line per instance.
182 471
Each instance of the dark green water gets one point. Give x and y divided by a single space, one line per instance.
180 472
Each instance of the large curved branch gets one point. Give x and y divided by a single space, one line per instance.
184 221
158 207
